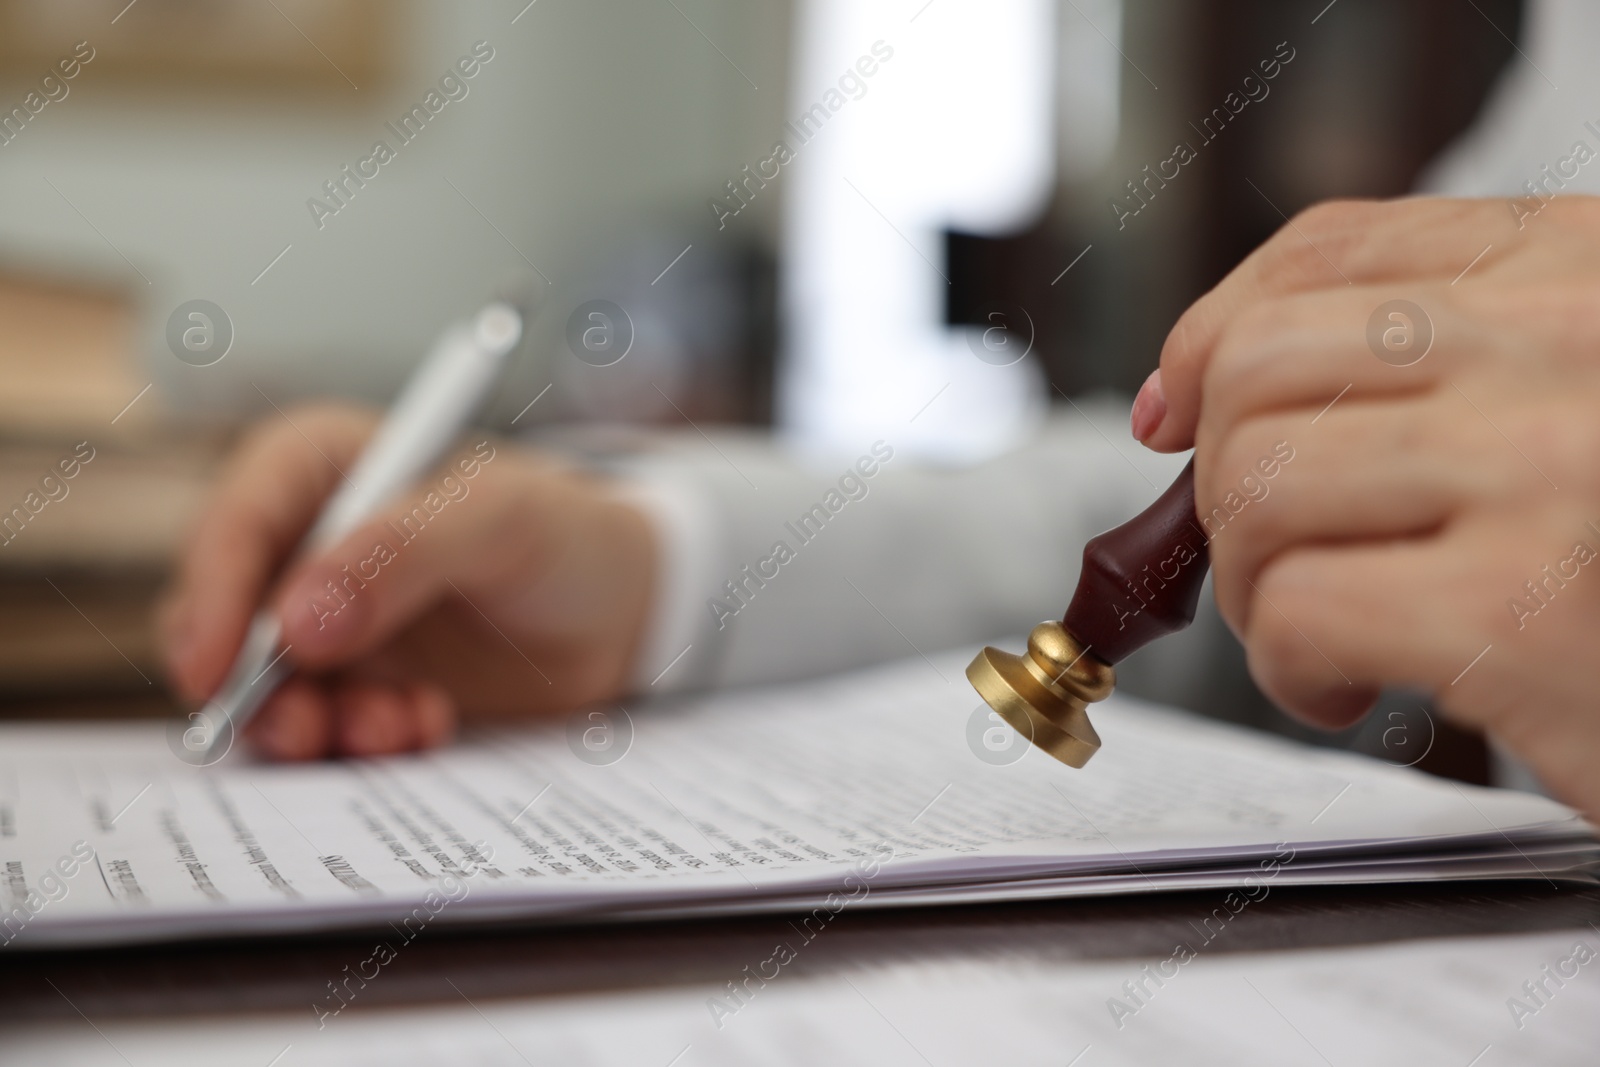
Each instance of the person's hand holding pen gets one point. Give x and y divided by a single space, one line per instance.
524 591
1438 526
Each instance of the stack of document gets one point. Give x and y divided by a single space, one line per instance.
886 787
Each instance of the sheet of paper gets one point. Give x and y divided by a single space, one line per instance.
862 786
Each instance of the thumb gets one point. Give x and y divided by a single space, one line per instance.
1166 410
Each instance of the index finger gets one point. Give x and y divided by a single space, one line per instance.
1338 243
267 497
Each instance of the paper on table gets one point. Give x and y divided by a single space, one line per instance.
868 786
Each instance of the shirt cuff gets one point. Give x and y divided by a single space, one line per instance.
675 652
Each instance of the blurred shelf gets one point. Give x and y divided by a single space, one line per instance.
77 634
83 558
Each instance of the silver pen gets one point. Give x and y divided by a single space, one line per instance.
438 401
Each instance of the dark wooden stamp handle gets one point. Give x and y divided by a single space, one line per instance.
1141 580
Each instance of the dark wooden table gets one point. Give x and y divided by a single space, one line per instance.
502 961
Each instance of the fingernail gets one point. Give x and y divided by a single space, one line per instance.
1149 407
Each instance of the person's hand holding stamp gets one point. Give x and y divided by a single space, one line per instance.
1434 371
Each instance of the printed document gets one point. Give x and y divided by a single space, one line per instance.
889 786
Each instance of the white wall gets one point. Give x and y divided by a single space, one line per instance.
594 117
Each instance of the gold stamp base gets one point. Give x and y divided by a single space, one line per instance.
1044 694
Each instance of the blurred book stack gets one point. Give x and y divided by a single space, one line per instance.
84 556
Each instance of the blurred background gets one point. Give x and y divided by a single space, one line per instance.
949 169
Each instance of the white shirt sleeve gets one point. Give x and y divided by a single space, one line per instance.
688 534
774 567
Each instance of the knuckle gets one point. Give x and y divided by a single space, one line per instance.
1257 335
1334 231
1576 210
323 421
1490 322
259 437
1337 222
1555 442
330 421
1328 217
